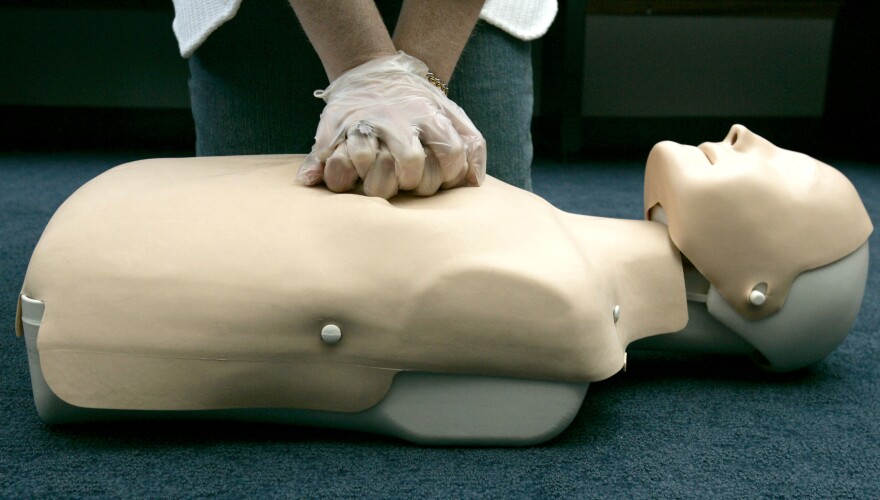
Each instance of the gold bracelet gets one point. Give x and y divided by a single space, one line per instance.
437 83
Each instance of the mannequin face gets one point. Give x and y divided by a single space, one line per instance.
744 155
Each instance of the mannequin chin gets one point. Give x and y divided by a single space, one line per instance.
205 284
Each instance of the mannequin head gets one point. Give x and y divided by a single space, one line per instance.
749 213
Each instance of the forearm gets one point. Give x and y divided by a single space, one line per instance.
436 32
345 33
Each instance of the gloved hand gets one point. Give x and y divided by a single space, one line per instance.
385 124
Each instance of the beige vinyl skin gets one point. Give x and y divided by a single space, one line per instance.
746 212
204 283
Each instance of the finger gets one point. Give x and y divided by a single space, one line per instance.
404 145
475 146
432 178
339 172
311 171
438 134
460 120
457 181
329 134
362 147
476 157
382 180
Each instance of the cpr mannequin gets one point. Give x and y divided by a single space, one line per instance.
219 288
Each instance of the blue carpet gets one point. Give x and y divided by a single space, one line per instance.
672 426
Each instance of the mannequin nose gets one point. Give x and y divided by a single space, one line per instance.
737 135
737 140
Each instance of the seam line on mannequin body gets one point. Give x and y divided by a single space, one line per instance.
202 358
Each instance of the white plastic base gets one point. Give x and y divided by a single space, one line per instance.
425 408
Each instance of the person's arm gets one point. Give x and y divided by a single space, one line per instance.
436 32
344 33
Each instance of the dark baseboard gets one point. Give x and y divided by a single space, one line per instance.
632 138
51 128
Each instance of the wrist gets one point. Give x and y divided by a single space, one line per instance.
398 63
346 65
432 78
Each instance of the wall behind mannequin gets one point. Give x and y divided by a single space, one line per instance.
84 69
97 57
853 103
655 66
92 74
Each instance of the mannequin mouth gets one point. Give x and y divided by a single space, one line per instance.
679 156
707 150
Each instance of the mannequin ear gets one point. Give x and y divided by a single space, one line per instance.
19 328
657 214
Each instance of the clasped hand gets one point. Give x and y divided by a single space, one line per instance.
385 125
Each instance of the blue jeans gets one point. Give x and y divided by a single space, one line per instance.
251 86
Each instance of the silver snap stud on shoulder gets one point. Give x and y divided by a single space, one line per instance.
331 334
615 312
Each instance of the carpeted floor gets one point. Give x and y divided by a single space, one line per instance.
672 426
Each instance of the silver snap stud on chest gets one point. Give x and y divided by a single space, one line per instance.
331 334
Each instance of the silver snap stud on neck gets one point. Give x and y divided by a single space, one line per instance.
331 334
615 312
758 295
757 298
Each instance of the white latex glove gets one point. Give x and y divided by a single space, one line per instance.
386 125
